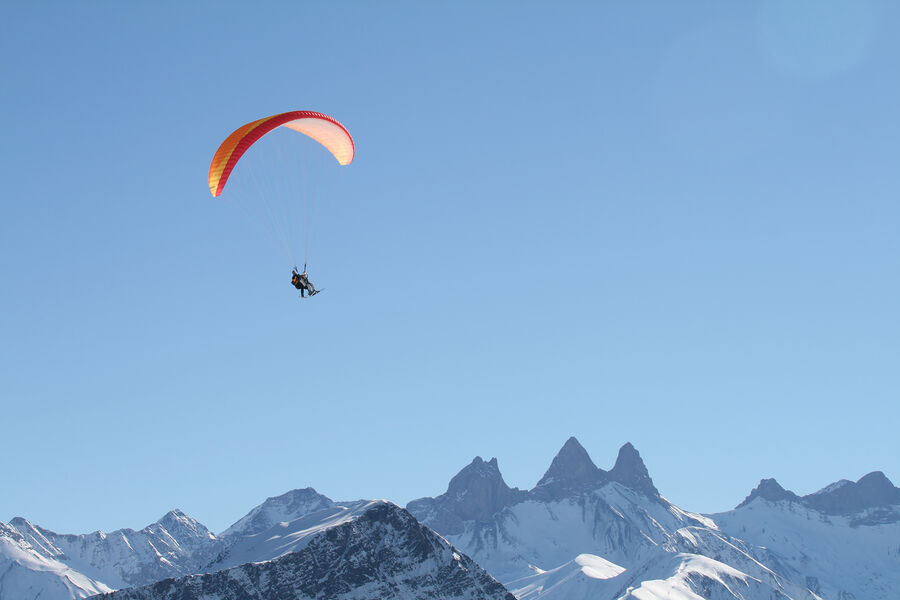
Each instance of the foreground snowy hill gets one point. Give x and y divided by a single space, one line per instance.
543 542
383 552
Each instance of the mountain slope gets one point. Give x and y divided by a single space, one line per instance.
575 508
850 556
840 543
175 545
286 507
26 574
381 553
287 536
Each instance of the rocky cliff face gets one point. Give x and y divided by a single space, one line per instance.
476 493
769 489
384 553
846 497
631 472
571 471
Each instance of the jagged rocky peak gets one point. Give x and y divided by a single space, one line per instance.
476 493
631 471
771 490
873 490
475 471
571 470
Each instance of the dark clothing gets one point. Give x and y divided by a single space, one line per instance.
302 283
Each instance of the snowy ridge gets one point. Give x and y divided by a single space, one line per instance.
172 546
288 536
691 577
832 556
576 508
775 545
575 579
581 533
26 574
614 522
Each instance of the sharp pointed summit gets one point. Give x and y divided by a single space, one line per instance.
630 471
571 470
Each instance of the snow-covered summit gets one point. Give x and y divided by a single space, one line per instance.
26 572
285 537
174 545
284 508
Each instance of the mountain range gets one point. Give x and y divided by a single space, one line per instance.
581 532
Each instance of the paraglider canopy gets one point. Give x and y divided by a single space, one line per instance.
320 127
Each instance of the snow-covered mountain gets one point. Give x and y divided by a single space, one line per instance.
283 508
576 508
287 536
26 574
382 552
581 532
549 541
173 546
841 542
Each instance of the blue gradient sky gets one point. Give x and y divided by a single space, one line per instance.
674 224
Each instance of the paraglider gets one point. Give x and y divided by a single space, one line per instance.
325 130
301 282
320 127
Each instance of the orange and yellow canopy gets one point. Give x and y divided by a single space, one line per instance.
322 128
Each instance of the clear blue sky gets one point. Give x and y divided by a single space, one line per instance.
674 224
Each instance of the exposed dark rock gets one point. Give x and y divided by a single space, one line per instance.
631 472
476 493
771 490
571 471
874 490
